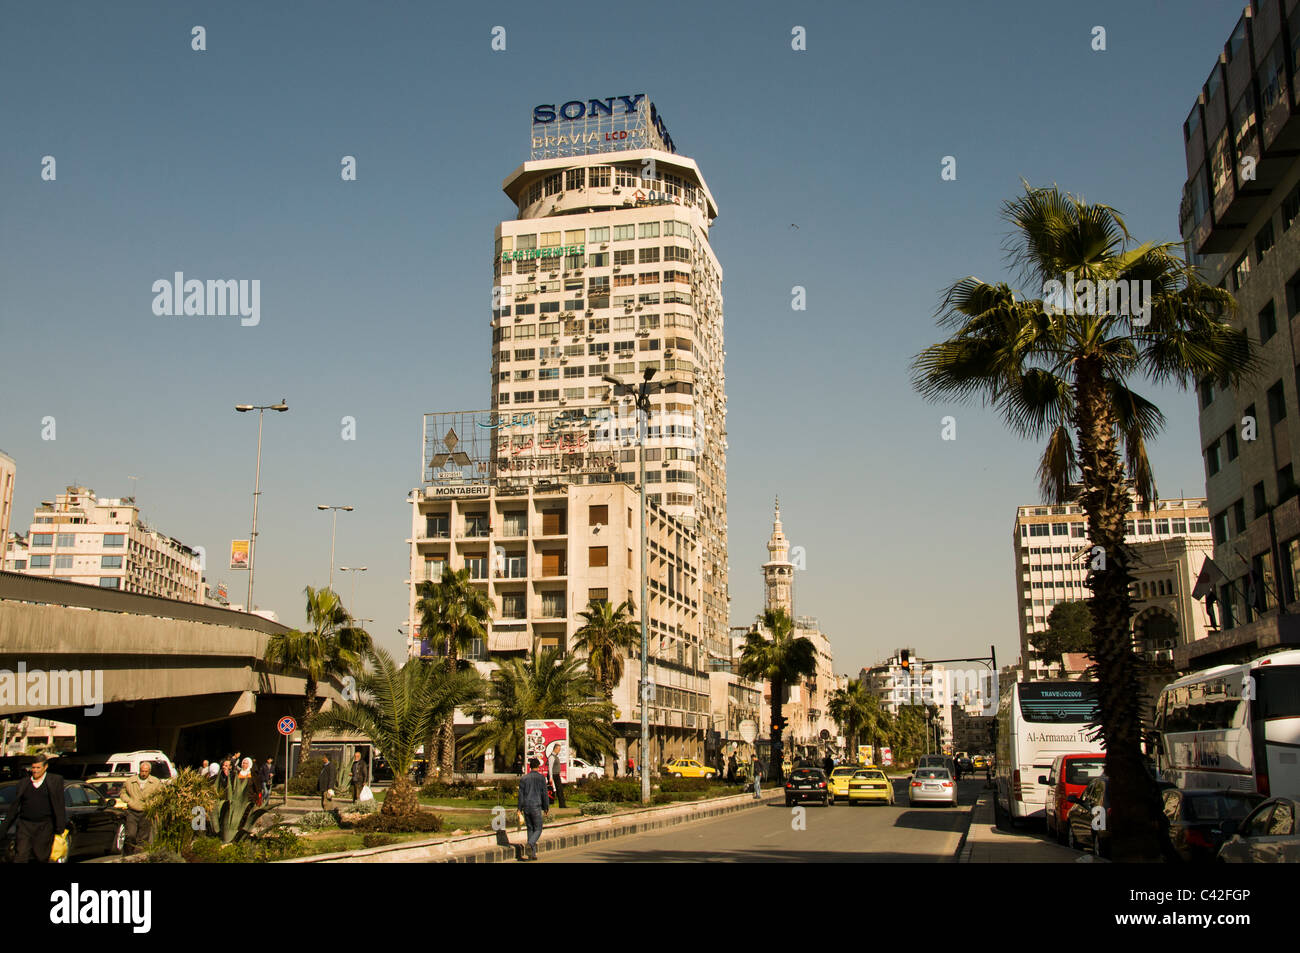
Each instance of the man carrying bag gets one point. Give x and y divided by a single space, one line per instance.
39 812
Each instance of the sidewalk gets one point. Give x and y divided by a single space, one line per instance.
986 844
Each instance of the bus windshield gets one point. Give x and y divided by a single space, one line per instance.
1058 703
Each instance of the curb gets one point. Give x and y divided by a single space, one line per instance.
496 846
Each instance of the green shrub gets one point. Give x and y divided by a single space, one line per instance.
598 807
318 820
163 857
685 784
172 809
611 789
424 822
439 789
378 840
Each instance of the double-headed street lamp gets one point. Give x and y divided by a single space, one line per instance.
333 532
641 395
257 484
352 603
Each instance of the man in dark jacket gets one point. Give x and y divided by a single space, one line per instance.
534 802
557 781
360 776
39 812
828 764
325 784
731 768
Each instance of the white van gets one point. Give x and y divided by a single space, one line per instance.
81 766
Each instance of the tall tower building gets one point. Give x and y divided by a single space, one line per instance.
606 270
778 571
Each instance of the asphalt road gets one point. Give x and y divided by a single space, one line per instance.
840 834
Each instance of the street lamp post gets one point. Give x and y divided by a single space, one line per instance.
641 394
352 602
257 488
333 532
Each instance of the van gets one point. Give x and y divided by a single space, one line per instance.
78 767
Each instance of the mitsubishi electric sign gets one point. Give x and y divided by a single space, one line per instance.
585 126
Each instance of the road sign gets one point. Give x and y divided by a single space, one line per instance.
287 725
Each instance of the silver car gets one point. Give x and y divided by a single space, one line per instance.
932 786
1267 835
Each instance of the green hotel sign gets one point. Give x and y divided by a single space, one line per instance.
557 252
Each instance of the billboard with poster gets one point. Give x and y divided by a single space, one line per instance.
239 554
544 737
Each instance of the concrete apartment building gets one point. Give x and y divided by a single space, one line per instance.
542 553
78 537
8 471
607 270
1238 218
1052 557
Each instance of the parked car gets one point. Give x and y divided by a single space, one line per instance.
688 768
1195 817
1267 836
870 784
580 770
1086 825
931 786
806 784
1070 774
95 826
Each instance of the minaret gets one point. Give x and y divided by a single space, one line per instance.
778 571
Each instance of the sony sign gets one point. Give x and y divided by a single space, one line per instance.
595 108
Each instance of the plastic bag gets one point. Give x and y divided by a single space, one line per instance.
59 849
366 793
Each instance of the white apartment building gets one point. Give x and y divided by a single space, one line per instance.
78 537
1053 555
8 471
542 553
16 553
607 270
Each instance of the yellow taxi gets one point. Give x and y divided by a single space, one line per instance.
979 762
688 768
870 784
838 782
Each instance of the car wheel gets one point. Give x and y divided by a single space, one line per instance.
119 840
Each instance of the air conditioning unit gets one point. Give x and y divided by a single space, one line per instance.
604 244
590 337
564 360
590 311
555 340
543 360
617 190
618 267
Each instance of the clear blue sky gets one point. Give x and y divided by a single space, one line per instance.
375 293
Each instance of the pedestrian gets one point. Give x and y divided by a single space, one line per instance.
360 776
757 769
38 810
631 766
267 780
534 804
731 768
828 764
246 771
137 792
203 768
557 781
325 784
956 767
225 779
214 768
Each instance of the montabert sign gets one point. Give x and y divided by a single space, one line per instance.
454 489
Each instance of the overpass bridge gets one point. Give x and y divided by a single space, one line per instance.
135 671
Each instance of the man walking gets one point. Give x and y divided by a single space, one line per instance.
756 768
731 768
360 776
39 812
136 792
267 779
325 784
555 767
828 764
534 802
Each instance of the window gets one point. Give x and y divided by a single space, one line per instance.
1060 529
1230 439
598 515
1212 458
552 605
523 397
1241 270
648 230
42 539
625 256
40 562
477 566
112 540
110 582
595 235
1264 240
597 556
1276 403
1207 393
1290 207
598 178
512 605
1221 527
63 561
649 255
551 184
1239 516
1267 322
597 595
110 562
67 540
525 242
625 176
598 259
624 233
548 394
1261 502
1286 486
574 179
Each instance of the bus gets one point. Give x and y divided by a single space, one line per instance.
1037 721
1235 727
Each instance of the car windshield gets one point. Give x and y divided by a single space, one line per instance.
1084 771
840 772
933 773
806 774
871 775
8 792
1217 806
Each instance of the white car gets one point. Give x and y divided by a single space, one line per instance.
579 769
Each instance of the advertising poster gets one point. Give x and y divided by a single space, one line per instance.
239 554
542 737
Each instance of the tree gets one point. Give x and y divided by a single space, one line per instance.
1069 629
545 685
395 707
850 707
606 635
330 646
780 660
453 613
1060 370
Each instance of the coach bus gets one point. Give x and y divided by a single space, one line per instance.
1235 727
1036 722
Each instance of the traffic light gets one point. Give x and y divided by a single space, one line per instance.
904 659
779 723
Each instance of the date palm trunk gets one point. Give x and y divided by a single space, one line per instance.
309 712
1135 814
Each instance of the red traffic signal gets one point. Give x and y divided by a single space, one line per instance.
904 659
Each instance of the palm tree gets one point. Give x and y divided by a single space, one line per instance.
858 713
545 685
1062 371
395 707
780 660
330 646
453 613
607 634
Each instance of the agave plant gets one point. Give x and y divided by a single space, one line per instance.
236 816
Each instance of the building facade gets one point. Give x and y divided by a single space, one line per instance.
8 472
607 270
1053 557
78 537
1239 216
